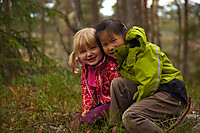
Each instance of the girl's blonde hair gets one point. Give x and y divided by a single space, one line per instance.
84 37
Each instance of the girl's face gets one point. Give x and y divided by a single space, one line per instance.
90 56
109 42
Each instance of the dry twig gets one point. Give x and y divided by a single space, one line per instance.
182 116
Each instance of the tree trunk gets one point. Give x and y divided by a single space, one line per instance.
130 14
179 34
94 12
136 11
7 11
153 22
186 46
79 16
157 24
29 36
145 18
121 11
139 8
42 29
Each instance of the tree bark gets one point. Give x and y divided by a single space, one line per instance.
145 18
179 34
186 46
157 24
94 12
79 16
139 8
130 13
42 24
153 22
121 11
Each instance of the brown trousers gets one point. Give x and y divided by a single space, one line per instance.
139 117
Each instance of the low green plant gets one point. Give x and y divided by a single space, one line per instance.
43 102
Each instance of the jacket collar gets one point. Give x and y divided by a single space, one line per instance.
99 64
127 55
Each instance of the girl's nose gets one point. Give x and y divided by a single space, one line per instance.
89 53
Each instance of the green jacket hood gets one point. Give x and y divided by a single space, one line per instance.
139 34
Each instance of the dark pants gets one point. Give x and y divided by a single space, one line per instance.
94 116
139 117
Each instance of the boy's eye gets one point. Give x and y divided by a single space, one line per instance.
103 45
113 40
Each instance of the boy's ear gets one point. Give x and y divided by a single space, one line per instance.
134 43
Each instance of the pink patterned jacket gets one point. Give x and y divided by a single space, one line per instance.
106 71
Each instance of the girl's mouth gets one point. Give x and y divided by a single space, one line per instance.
91 59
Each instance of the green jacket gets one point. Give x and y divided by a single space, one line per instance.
144 64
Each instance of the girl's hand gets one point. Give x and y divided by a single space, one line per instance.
84 113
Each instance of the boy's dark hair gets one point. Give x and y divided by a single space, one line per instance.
110 25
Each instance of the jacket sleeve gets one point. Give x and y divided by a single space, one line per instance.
113 71
147 72
86 98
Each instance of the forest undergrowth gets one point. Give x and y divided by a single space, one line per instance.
42 103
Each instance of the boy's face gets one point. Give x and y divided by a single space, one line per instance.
109 42
90 56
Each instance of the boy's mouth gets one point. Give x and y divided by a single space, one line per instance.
112 53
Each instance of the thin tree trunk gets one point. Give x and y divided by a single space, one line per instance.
186 46
79 16
42 29
94 12
7 10
130 14
152 22
139 13
122 10
145 18
29 36
157 24
179 34
136 11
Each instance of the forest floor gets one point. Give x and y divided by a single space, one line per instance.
41 103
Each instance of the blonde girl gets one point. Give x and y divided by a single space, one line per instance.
98 71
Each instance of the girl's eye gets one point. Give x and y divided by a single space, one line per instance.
93 47
82 52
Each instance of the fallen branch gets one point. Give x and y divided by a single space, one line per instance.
182 116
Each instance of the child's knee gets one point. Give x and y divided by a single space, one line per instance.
128 116
129 121
116 83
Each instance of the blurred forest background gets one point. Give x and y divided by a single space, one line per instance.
33 33
38 91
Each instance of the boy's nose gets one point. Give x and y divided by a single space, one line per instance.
111 48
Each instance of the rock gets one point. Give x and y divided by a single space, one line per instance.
193 117
196 129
